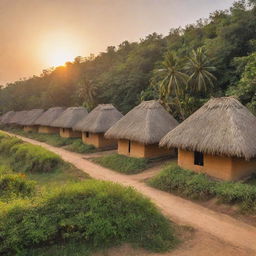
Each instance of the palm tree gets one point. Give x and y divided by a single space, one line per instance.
87 92
200 70
172 80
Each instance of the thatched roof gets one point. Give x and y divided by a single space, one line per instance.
99 120
70 117
32 116
7 117
223 126
18 117
49 116
147 123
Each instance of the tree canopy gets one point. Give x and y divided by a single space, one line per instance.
125 74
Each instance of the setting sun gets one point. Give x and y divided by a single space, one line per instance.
58 48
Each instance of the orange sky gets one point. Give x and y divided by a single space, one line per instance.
37 34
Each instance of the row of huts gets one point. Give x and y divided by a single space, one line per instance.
218 139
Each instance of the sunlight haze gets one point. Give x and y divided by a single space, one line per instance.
36 35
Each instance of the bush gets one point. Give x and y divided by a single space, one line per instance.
199 186
27 157
79 147
124 164
12 186
185 183
7 143
93 212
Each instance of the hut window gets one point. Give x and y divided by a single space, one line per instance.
87 134
129 146
198 158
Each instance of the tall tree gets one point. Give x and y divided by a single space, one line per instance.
200 70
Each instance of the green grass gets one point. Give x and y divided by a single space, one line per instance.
192 185
71 144
123 164
99 214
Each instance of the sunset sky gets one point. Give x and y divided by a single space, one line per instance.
38 34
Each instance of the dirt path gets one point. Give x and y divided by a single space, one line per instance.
224 228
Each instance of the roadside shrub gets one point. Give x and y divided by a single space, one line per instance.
94 212
7 143
27 157
12 186
185 183
79 147
124 164
199 186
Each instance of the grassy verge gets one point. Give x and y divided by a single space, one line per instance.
58 216
71 144
123 164
199 186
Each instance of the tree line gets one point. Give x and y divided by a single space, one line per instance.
213 57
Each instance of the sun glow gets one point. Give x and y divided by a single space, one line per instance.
57 49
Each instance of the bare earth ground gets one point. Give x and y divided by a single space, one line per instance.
216 234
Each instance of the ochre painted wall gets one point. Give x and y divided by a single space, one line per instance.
69 133
98 140
32 128
48 129
220 167
142 151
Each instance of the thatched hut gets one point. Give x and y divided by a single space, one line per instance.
7 117
97 122
45 121
68 119
17 118
218 139
140 130
29 122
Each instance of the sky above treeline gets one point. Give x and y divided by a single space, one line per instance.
38 34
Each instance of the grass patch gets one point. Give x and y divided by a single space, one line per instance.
101 214
79 147
123 164
71 144
192 185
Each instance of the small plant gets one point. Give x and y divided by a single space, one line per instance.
124 164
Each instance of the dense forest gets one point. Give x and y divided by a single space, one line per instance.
214 57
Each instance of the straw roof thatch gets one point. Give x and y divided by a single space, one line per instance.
7 117
223 126
147 123
49 116
70 117
18 117
99 120
32 116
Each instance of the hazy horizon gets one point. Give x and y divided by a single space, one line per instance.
36 35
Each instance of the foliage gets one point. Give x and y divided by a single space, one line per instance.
245 89
123 164
13 185
94 212
185 183
80 147
31 158
121 75
199 186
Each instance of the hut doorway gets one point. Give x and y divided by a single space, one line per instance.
198 158
129 146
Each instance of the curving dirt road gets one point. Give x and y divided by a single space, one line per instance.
233 237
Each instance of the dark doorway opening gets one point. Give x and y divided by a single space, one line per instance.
129 146
198 158
87 134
